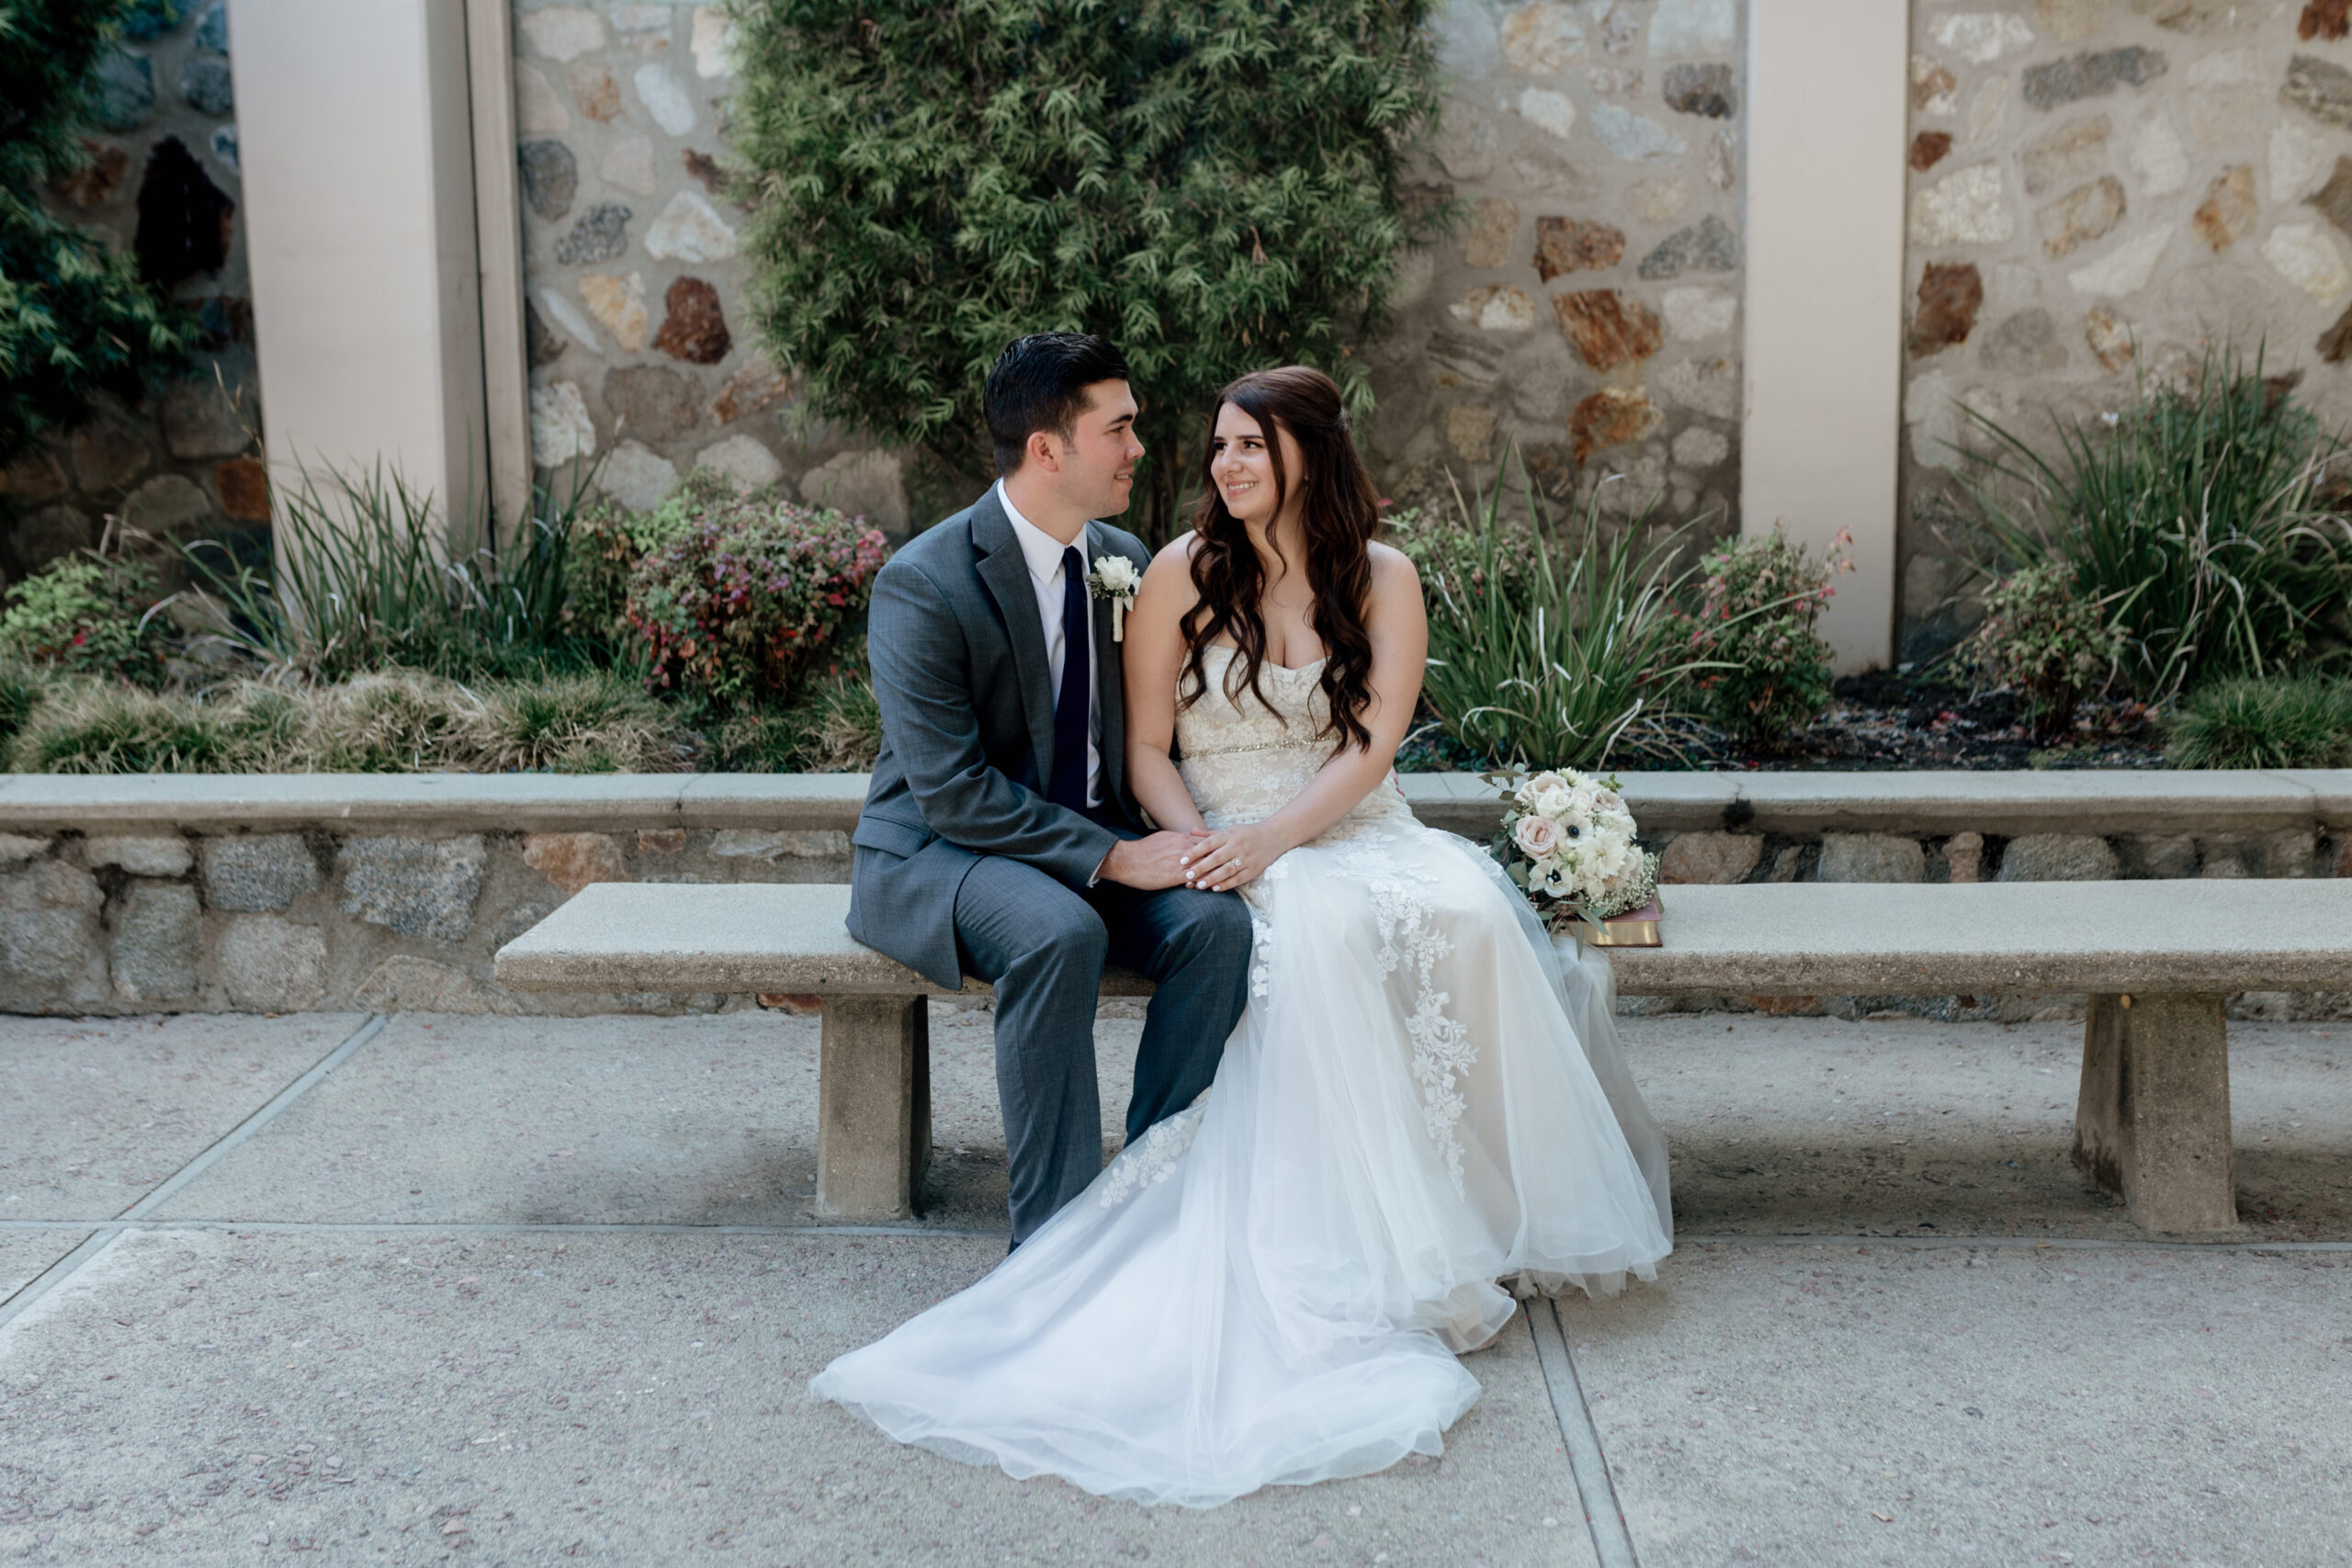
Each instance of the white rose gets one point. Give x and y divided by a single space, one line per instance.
1549 779
1538 836
1556 802
1117 575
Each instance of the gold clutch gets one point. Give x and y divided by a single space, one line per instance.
1635 928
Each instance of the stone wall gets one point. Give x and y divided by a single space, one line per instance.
639 331
162 184
1587 312
271 894
2100 190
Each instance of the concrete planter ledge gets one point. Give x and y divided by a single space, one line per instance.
290 892
1921 803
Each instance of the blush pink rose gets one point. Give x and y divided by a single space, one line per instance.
1539 836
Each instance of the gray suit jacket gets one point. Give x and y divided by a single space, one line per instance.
968 734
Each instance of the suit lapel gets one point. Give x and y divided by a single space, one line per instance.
1005 572
1111 689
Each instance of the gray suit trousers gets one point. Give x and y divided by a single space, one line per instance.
1043 944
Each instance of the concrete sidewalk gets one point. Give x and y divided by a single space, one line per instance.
523 1291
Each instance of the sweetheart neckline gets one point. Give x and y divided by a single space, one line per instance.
1268 664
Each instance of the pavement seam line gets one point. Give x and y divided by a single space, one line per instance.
258 1120
57 1273
106 1232
1612 1542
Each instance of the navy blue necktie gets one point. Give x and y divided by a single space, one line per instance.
1073 703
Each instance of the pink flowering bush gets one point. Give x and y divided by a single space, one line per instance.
748 598
1759 603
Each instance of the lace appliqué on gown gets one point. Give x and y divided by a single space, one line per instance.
1150 1159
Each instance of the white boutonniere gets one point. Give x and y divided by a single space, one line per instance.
1115 578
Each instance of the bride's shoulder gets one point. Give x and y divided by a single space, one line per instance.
1392 568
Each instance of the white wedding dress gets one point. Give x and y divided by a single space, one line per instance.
1423 1110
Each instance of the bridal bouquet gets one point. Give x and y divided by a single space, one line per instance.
1566 842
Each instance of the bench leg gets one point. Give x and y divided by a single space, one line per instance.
2152 1125
873 1107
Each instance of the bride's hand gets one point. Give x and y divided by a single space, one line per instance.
1231 856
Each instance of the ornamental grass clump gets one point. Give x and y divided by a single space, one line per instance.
396 721
1767 671
2041 638
1545 653
2208 517
734 610
2296 721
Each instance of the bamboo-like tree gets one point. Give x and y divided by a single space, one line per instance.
1216 186
74 317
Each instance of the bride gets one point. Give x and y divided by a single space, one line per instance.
1423 1111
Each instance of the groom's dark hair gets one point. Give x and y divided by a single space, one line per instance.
1039 383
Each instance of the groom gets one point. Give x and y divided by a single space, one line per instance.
1000 838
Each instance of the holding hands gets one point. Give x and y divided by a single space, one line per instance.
1224 859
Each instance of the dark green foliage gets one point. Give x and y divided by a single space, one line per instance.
1758 604
73 318
750 595
1216 186
21 690
1545 653
86 613
2045 638
2209 520
2300 721
363 578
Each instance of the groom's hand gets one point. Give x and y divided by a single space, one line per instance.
1152 862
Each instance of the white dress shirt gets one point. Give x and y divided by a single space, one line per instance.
1044 554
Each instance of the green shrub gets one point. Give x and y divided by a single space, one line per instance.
608 541
2207 518
1768 670
749 596
2300 721
88 614
1216 186
75 318
2042 636
1545 655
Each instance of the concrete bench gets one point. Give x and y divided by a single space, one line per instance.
2158 959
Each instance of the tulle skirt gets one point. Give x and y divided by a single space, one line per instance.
1423 1111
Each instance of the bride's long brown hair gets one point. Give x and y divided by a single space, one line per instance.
1339 517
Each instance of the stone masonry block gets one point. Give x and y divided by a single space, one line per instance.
572 861
748 841
1710 858
14 846
155 942
141 856
1965 857
269 965
419 887
258 874
2058 857
51 950
2291 853
1871 857
2166 856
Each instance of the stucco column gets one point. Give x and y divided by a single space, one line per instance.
355 133
1827 126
